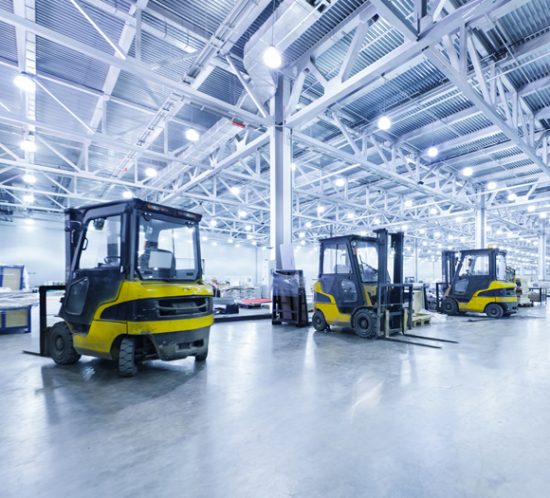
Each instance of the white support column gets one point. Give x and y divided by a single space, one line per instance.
415 260
541 273
280 174
480 223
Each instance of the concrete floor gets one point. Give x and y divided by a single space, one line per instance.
281 412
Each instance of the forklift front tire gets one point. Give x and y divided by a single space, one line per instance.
364 324
449 306
127 358
61 346
318 321
202 356
494 310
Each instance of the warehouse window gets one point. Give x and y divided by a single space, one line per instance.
101 246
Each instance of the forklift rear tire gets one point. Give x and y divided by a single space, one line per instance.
449 306
494 310
202 356
318 321
61 347
364 324
127 358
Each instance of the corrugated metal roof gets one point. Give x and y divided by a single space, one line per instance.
420 97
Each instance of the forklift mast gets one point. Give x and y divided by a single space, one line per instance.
397 244
448 266
73 227
382 240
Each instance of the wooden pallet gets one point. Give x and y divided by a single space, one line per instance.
421 319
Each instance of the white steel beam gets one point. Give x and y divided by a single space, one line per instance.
395 59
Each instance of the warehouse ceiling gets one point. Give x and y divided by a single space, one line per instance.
118 92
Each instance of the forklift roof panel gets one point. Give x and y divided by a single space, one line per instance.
476 252
142 205
348 237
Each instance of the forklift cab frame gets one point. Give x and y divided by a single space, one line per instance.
476 280
88 286
134 288
352 292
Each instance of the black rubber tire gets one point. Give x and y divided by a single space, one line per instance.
127 366
494 310
61 346
449 306
318 321
364 324
202 356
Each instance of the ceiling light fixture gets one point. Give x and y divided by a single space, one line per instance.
272 57
340 182
213 223
28 145
192 135
28 198
25 83
512 196
151 172
127 194
235 190
29 178
492 186
242 213
408 203
468 171
433 151
531 209
384 123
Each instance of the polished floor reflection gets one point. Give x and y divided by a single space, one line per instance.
280 411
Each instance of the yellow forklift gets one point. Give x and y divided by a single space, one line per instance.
355 290
478 281
134 288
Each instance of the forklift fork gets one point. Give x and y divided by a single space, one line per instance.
430 338
391 339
